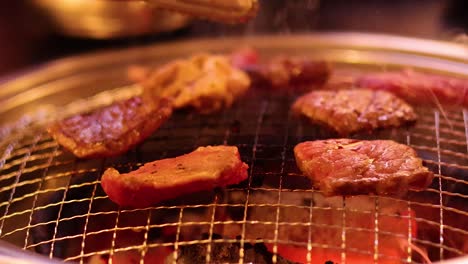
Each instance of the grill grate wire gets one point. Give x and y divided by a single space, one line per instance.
441 211
88 215
264 105
15 183
410 226
37 164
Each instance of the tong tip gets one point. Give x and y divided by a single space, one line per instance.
225 11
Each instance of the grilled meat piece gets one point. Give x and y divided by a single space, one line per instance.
244 58
295 71
418 87
353 167
284 72
203 169
205 82
350 111
113 129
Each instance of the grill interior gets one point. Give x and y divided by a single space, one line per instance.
53 204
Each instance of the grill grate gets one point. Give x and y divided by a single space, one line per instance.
53 204
42 178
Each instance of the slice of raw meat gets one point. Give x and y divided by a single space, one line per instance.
417 87
113 129
203 169
354 167
351 111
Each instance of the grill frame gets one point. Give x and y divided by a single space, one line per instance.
348 48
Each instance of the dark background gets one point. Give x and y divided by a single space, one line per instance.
26 39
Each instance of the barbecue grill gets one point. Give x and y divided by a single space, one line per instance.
52 203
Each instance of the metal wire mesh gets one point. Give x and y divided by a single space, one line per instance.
53 203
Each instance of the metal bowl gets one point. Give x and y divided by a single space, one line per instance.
103 19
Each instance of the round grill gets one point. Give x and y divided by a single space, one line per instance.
53 204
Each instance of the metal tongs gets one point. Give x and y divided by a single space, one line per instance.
225 11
